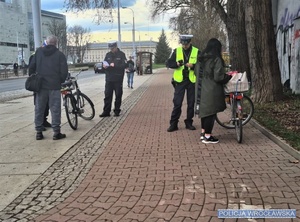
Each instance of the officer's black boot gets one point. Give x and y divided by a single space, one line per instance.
173 127
189 124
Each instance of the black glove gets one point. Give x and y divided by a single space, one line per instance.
180 62
173 82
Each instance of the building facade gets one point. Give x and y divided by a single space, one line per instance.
16 36
96 51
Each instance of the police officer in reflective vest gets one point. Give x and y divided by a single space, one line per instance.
183 60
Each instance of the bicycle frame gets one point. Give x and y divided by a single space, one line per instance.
237 113
75 102
70 86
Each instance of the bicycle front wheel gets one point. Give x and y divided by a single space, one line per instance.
85 106
70 107
238 114
225 119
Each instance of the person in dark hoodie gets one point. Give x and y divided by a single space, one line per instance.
51 64
211 96
46 114
114 65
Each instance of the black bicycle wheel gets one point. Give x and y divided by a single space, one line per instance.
248 109
71 113
224 118
86 107
238 121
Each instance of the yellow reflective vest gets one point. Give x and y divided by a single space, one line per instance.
177 75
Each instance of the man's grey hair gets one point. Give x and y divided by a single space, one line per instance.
51 40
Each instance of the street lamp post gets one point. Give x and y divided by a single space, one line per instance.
133 43
139 40
119 26
37 24
133 32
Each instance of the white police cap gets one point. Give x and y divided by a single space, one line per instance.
185 39
112 44
185 36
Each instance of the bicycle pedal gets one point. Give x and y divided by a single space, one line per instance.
80 111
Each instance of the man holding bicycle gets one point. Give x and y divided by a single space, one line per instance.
51 64
114 65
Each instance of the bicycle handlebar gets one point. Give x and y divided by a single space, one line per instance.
70 82
74 77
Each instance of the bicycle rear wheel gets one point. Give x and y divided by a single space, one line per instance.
70 107
224 118
238 114
86 107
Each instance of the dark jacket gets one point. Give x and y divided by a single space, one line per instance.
51 64
130 64
212 96
116 73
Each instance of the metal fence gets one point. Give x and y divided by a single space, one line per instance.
10 73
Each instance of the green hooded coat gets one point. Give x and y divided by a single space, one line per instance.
210 94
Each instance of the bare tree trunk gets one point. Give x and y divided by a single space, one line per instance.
234 19
237 36
266 84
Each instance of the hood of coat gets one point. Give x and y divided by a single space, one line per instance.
205 57
49 50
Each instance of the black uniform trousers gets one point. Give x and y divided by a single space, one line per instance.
180 88
110 87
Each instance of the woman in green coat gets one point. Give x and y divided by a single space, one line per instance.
212 97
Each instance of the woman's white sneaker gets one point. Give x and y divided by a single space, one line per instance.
211 139
202 136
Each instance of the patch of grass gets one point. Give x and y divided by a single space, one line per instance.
282 118
157 66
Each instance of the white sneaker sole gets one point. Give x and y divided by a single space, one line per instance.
205 141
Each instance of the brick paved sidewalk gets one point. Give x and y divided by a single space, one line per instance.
129 168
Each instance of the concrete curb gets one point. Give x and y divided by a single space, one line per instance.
278 140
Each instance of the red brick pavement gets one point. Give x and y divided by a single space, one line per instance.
148 174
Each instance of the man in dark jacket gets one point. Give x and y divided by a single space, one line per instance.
16 66
51 64
46 113
114 64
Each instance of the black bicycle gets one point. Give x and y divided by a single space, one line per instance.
75 102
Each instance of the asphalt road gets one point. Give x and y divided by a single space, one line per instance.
14 88
18 83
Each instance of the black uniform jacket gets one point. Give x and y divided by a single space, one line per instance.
116 73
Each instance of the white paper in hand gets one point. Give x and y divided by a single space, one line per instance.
105 63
